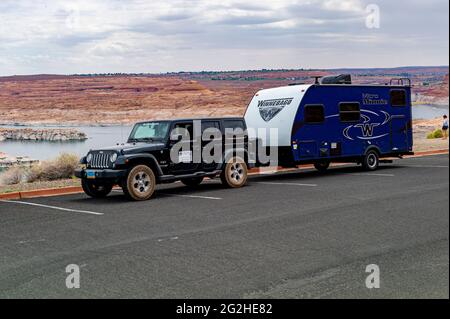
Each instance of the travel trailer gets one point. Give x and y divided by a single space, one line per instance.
334 120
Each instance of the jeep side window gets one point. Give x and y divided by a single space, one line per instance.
185 129
234 124
210 124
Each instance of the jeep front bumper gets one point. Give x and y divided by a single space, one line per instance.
100 173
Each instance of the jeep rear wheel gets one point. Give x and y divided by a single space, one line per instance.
96 189
235 173
192 182
140 183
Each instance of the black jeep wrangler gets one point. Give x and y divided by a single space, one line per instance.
184 150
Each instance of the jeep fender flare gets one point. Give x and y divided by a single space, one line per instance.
124 159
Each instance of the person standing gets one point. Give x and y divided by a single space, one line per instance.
445 127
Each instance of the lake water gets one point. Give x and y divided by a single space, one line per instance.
100 136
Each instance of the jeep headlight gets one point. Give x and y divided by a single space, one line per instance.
113 157
89 158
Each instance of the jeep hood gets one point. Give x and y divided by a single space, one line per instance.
133 148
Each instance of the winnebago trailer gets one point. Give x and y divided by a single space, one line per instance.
334 121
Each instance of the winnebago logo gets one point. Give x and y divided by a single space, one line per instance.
269 108
373 99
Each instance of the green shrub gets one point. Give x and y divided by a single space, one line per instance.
435 134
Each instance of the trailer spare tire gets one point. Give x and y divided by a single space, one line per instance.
371 160
235 173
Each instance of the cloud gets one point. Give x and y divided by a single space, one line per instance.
75 36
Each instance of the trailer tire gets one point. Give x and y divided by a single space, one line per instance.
96 189
371 160
140 183
192 182
235 173
322 166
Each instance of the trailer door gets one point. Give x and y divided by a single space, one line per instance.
399 134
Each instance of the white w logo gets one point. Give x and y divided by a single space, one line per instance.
367 128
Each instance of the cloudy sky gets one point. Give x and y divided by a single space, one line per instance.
87 36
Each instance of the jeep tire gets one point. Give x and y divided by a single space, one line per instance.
371 161
140 183
192 182
235 173
96 189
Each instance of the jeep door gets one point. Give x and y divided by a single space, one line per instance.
211 142
182 151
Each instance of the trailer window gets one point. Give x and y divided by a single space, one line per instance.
398 98
349 112
314 113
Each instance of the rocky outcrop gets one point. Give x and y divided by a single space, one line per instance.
31 134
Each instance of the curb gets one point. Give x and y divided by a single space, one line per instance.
43 192
254 171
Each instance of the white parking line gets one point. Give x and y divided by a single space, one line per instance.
51 207
192 196
372 174
427 166
180 195
288 184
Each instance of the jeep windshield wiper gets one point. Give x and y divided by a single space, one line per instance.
142 139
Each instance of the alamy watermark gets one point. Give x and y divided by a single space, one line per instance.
373 17
73 279
373 279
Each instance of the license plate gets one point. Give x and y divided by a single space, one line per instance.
90 174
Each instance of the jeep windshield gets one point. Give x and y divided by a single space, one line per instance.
150 131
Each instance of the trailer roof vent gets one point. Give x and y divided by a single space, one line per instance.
336 79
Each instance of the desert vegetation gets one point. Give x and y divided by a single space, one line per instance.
62 167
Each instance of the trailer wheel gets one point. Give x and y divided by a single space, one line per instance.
140 183
235 173
96 189
322 166
192 182
371 160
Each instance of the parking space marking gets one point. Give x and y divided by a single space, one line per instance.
180 195
288 184
427 166
192 196
372 174
51 207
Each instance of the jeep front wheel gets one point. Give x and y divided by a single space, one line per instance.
96 189
140 183
235 173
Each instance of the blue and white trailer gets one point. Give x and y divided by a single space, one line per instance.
334 121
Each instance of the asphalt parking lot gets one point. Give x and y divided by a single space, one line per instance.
291 235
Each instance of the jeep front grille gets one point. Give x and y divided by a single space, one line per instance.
100 160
